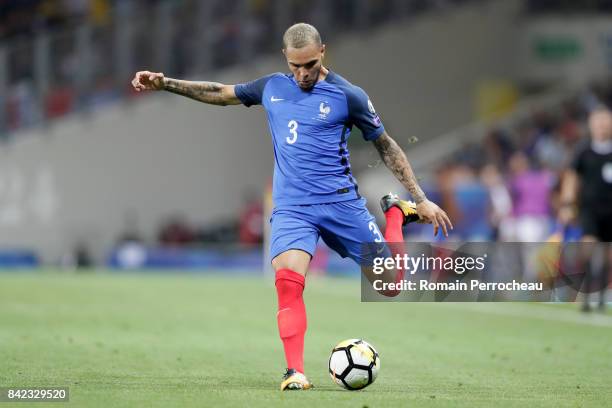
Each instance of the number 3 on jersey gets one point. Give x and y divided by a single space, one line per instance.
292 125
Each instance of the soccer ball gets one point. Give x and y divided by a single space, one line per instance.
354 364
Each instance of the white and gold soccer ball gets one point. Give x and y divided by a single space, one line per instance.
354 364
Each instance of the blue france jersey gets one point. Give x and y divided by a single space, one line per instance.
309 131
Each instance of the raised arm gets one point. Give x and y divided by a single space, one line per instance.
395 159
208 92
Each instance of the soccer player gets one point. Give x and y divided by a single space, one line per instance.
311 112
587 186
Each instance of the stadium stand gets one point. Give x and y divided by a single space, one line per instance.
61 61
74 56
502 182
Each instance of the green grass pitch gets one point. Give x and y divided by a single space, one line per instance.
176 340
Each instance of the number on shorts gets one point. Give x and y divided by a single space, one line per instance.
375 231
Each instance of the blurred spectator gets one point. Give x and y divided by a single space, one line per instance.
79 258
17 18
530 192
498 147
99 11
250 225
223 231
527 138
569 127
500 202
176 231
64 44
21 106
550 151
52 14
568 6
520 168
59 102
465 200
588 185
78 8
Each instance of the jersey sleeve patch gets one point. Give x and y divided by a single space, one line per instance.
250 93
363 115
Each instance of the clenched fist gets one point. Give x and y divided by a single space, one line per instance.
146 80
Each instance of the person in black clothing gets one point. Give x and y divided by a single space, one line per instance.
587 187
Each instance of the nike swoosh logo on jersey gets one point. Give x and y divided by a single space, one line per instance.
274 99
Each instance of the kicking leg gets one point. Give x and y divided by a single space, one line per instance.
397 214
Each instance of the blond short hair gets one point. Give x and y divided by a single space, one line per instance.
300 35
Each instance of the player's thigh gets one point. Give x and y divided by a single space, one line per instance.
350 230
293 240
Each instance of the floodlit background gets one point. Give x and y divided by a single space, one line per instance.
100 185
88 165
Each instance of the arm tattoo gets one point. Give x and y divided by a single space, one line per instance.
207 92
395 159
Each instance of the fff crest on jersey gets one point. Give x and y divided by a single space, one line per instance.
324 110
371 107
376 118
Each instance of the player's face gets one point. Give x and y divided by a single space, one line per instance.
305 63
600 125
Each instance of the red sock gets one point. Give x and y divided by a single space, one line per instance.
291 316
395 236
395 219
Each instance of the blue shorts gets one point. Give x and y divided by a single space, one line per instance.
347 227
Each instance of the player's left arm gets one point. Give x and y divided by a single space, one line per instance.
395 159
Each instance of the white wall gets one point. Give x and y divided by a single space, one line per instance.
158 156
166 154
422 74
586 39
